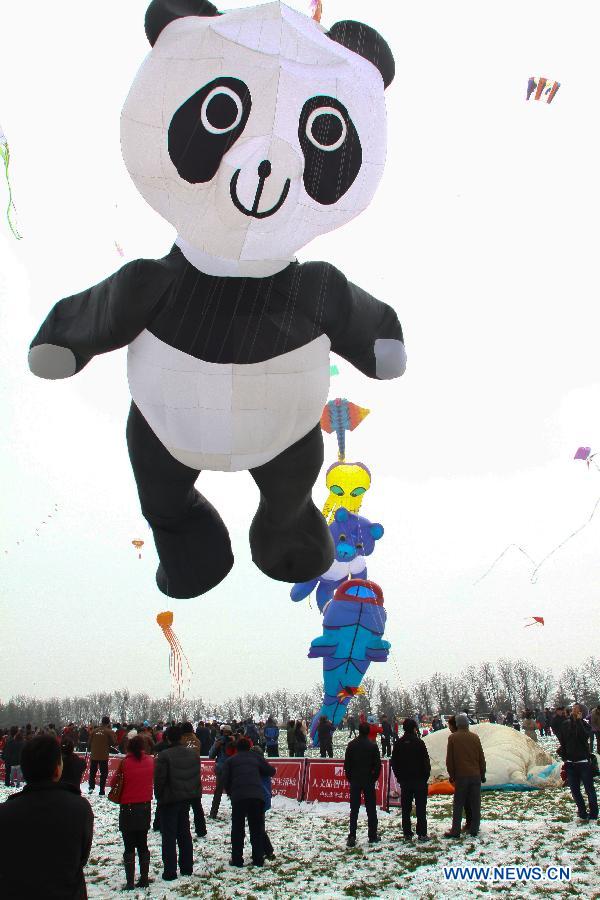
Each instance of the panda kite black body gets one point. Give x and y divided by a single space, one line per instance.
228 335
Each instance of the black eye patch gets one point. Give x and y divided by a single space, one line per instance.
206 126
331 148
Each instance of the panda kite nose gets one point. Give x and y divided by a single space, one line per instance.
264 169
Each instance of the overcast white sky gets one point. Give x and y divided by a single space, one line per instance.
484 237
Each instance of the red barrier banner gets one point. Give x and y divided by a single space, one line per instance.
289 780
208 776
299 779
326 782
113 765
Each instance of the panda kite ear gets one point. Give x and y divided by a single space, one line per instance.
368 43
161 12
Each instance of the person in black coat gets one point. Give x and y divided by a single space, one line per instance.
45 830
362 765
386 736
325 732
574 737
12 753
203 735
73 766
176 784
300 740
558 720
242 780
411 766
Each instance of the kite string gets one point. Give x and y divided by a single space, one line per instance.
534 574
498 558
5 154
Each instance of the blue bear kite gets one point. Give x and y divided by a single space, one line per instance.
353 625
354 538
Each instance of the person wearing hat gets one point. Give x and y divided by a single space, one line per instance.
221 750
411 766
465 762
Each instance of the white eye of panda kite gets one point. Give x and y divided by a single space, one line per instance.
326 128
221 111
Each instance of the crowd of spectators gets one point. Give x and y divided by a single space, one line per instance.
50 819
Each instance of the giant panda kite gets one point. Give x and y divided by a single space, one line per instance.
251 132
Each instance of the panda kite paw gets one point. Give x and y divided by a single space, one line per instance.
390 358
52 362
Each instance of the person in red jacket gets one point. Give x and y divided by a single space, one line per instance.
374 728
134 813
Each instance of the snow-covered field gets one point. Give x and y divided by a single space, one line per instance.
525 829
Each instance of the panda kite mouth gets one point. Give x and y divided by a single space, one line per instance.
264 170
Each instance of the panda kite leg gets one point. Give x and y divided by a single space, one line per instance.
289 537
191 539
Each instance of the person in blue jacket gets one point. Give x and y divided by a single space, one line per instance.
272 737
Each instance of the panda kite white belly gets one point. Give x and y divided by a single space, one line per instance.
227 417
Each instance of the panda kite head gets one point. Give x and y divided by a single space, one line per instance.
255 130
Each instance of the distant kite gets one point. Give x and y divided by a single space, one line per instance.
583 453
10 209
119 249
177 658
333 370
544 88
316 8
537 620
138 546
36 530
340 416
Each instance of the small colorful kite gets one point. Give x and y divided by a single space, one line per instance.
537 620
178 661
583 453
10 209
138 546
544 89
316 8
340 416
333 370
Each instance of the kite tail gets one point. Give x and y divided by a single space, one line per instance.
5 154
176 660
341 439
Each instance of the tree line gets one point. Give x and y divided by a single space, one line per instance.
507 684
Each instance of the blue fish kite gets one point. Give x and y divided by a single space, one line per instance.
353 625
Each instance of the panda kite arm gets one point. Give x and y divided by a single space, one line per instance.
105 317
364 331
